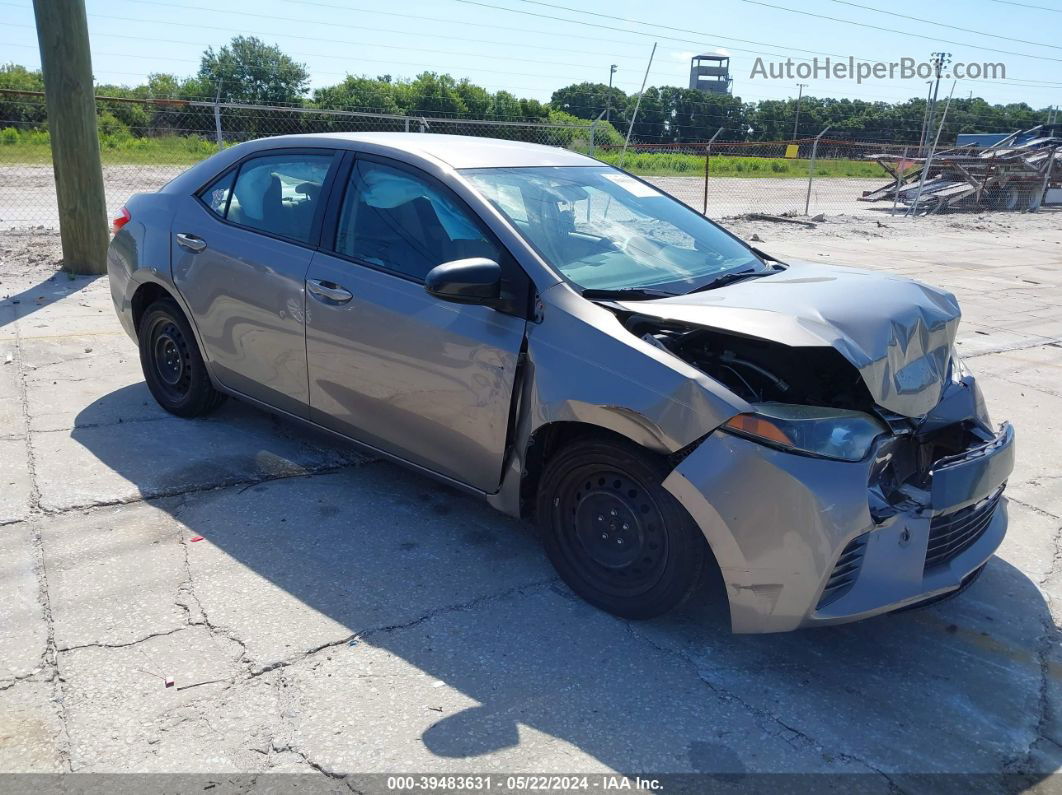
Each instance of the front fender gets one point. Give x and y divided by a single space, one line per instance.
583 366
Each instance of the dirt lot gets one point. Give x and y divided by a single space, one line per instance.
328 614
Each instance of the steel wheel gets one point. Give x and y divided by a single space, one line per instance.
615 535
171 358
172 365
613 531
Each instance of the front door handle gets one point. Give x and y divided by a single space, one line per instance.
328 291
190 242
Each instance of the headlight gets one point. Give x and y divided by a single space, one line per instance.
831 433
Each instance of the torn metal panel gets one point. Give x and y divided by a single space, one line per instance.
898 333
777 562
1014 177
614 379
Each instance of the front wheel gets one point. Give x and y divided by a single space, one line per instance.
614 534
172 365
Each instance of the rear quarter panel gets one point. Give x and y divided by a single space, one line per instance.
140 253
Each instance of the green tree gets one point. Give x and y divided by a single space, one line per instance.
22 112
430 93
476 99
587 100
359 94
251 71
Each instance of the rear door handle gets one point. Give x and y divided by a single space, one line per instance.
190 242
328 291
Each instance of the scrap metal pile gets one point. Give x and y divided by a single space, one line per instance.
1000 177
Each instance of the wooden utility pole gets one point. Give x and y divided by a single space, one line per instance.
62 33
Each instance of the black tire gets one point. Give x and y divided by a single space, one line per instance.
173 367
614 534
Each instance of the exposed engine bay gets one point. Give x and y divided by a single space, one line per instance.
761 371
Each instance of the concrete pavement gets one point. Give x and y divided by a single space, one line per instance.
325 613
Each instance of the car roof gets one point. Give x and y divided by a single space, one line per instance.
457 151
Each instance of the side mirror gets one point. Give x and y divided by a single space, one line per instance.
476 280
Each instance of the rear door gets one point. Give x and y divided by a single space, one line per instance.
390 365
240 250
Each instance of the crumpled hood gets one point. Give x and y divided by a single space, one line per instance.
897 332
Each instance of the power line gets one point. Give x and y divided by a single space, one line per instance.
689 41
348 42
501 8
894 30
944 24
368 28
639 32
1026 5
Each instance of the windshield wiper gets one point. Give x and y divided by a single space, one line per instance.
627 293
733 276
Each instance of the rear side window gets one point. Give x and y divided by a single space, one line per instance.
216 195
278 194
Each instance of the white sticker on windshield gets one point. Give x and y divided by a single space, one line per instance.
633 186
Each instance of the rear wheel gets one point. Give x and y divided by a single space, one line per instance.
614 534
173 367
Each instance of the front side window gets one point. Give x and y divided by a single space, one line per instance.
603 229
398 221
279 194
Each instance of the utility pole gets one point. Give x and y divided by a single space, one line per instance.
66 61
940 60
608 99
800 94
925 118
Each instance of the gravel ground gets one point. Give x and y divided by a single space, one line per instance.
326 614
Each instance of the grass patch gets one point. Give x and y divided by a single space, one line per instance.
32 147
669 164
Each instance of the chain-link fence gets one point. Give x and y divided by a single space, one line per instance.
802 177
145 143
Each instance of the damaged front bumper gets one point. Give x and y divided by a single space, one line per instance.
807 541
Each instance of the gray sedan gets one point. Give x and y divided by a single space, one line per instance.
577 347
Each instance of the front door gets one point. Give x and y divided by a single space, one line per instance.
240 250
390 365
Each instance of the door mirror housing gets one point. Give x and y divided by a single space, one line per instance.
476 280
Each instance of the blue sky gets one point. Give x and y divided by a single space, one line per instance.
500 44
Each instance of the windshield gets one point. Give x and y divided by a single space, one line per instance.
605 230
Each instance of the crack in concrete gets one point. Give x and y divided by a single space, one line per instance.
199 617
763 716
33 675
1033 508
1023 762
431 614
1016 346
203 489
125 645
50 657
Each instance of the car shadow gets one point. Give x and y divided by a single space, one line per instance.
376 549
24 303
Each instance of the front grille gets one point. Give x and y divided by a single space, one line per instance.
845 572
952 533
